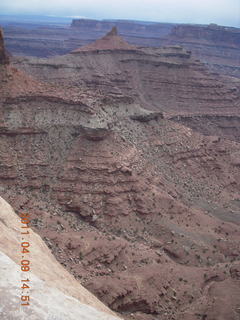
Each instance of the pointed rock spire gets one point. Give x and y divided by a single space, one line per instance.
113 32
111 41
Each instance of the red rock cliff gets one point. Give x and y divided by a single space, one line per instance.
3 56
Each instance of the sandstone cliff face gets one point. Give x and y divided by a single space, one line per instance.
54 293
3 56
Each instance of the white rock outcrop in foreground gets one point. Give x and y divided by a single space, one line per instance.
54 293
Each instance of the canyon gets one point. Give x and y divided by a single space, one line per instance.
128 159
216 46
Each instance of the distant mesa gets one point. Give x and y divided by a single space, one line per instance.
111 41
210 33
3 55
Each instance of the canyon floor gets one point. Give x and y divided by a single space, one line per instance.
128 159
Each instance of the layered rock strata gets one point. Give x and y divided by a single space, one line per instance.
142 210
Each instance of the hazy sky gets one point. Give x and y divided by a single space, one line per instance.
224 12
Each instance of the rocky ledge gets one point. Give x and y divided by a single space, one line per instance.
95 133
95 130
146 116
